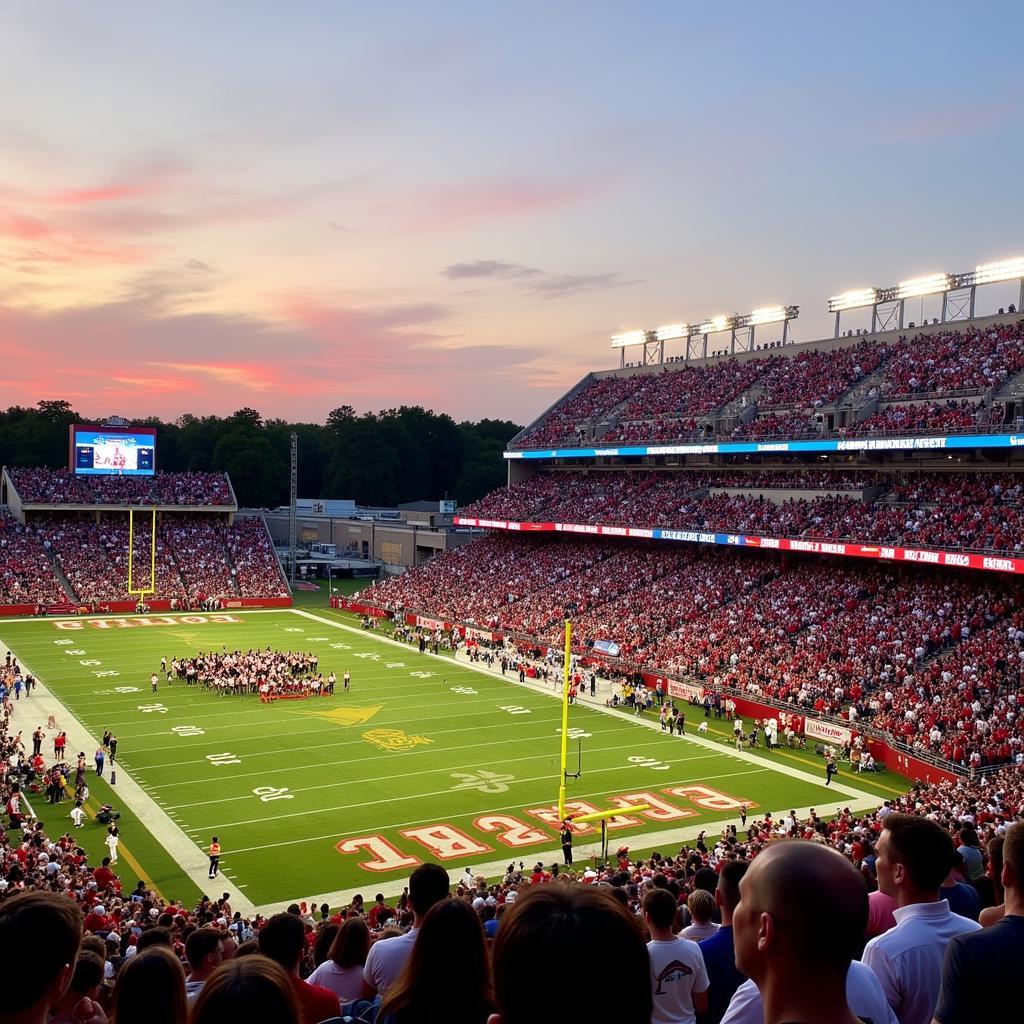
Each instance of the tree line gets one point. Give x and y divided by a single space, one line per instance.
382 458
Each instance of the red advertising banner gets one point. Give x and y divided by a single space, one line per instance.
919 556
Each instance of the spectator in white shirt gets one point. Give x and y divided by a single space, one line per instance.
428 884
679 979
799 923
863 993
913 857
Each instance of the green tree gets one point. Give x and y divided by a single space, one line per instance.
248 457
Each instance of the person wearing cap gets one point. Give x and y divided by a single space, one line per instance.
96 920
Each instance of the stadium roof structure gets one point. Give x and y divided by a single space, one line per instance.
740 326
958 291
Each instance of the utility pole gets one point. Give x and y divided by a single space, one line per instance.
293 523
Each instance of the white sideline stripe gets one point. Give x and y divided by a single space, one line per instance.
192 861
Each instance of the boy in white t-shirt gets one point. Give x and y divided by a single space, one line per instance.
679 979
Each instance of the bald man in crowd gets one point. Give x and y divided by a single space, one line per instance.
799 923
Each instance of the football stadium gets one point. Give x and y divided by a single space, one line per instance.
699 702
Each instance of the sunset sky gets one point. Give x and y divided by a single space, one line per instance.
294 206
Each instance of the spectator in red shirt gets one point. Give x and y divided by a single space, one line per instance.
104 876
283 939
377 910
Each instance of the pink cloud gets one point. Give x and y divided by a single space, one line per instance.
17 225
134 358
100 194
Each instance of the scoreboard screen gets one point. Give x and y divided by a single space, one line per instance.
113 451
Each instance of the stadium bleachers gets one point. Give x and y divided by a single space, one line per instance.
954 369
65 554
63 487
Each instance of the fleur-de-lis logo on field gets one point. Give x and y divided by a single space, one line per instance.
394 739
485 781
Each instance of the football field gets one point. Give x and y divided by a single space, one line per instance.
425 759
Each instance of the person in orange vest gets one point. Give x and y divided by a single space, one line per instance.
214 857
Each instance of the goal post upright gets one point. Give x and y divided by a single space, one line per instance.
566 673
579 819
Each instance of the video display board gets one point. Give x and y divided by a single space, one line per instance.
113 451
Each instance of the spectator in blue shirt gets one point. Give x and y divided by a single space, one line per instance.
718 951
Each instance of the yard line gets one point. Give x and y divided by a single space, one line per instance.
331 729
246 704
435 771
406 775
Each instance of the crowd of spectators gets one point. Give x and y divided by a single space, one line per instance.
915 418
26 575
564 424
258 573
964 511
951 361
814 379
63 487
937 655
676 404
198 559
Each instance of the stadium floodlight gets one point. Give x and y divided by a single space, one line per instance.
1003 270
853 299
768 315
671 332
714 324
930 284
629 338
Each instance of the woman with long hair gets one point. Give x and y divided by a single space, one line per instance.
254 989
447 979
150 989
342 971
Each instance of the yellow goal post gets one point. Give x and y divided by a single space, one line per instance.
578 819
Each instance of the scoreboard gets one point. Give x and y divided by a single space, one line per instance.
112 451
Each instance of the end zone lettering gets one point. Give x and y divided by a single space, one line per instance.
146 620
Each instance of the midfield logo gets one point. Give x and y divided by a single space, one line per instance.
485 781
394 739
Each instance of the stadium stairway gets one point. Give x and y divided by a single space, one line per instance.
61 578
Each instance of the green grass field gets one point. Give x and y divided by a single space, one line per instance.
424 759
